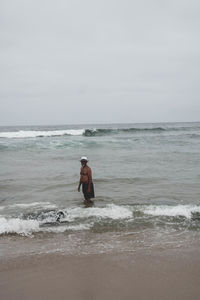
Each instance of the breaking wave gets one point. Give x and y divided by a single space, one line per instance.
75 218
187 211
102 132
20 134
36 133
111 216
18 226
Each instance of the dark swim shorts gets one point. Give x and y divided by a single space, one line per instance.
85 192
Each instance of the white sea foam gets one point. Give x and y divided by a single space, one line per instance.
45 205
83 216
16 225
172 211
111 211
25 227
37 133
72 214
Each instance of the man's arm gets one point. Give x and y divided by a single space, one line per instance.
79 186
89 174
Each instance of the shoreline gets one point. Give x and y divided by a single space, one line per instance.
153 274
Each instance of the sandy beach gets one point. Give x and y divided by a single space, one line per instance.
171 274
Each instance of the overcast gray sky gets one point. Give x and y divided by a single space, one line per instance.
106 61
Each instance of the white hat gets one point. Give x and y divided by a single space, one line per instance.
83 158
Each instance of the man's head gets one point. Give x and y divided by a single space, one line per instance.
83 160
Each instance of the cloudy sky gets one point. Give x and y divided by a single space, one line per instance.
108 61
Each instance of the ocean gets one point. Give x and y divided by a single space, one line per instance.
146 179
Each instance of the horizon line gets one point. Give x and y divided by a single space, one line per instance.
98 123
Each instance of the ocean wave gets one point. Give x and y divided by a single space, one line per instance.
36 133
88 132
99 132
111 216
102 132
111 211
18 226
75 218
28 227
72 214
186 211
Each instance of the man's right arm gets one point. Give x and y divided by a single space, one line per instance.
79 186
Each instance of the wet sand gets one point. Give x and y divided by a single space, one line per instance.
158 274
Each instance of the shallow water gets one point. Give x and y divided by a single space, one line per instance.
146 179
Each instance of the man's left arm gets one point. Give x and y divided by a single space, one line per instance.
89 179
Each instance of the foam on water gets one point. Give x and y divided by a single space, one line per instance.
16 225
111 211
172 211
81 218
37 133
113 129
29 225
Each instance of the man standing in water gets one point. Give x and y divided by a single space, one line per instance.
86 180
